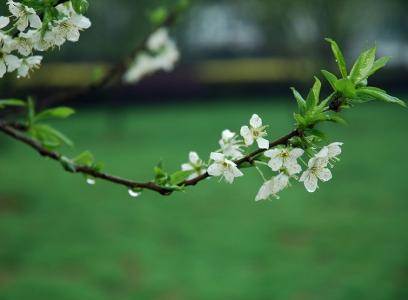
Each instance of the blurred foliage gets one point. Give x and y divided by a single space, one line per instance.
288 28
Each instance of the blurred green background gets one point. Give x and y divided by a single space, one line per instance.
63 239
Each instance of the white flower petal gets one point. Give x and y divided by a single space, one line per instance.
310 183
296 153
193 157
187 167
324 174
4 21
218 157
215 169
265 191
255 121
247 135
35 21
227 134
3 68
275 163
292 166
272 153
334 149
262 143
280 182
12 62
323 153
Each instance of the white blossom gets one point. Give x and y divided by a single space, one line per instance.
331 151
223 167
317 169
195 165
229 144
24 43
255 133
164 57
284 158
67 28
158 39
28 64
26 16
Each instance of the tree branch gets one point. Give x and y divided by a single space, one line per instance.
13 131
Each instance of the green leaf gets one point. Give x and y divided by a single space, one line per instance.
345 87
314 95
179 176
330 77
58 112
300 101
80 6
381 95
48 136
86 158
379 64
336 119
11 102
341 62
300 120
363 65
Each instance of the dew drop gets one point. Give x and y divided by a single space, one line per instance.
90 181
134 194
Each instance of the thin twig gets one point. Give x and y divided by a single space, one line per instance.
11 131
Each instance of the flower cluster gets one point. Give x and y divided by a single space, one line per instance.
23 32
286 160
161 54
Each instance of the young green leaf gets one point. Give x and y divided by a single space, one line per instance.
313 97
80 6
379 64
330 77
363 65
341 62
300 101
345 87
48 136
86 158
379 95
58 112
11 102
179 176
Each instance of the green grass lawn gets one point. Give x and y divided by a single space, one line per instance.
63 239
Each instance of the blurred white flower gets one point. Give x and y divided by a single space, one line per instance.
164 57
255 132
229 144
223 167
317 169
195 165
26 16
28 64
285 158
158 39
